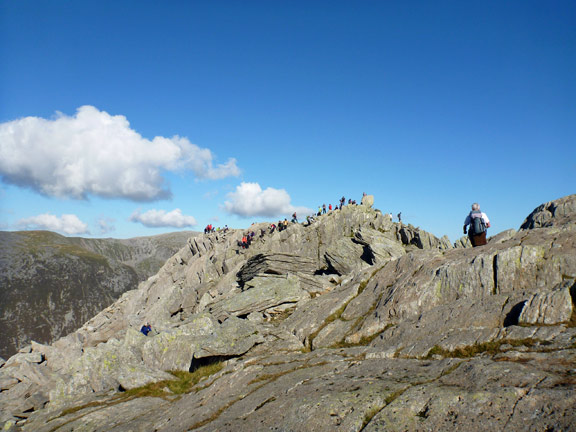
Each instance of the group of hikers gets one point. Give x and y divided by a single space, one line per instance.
322 209
246 240
475 224
210 229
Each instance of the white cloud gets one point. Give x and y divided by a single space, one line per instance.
94 153
106 225
67 223
250 200
159 218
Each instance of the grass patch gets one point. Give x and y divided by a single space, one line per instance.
366 340
393 396
490 348
370 414
277 318
333 317
165 389
337 314
72 410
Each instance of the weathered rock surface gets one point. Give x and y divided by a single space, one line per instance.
554 213
352 323
50 284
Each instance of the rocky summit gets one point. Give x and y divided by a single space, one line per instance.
350 323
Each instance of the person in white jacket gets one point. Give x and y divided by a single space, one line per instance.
476 223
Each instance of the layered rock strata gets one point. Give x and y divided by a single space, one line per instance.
351 323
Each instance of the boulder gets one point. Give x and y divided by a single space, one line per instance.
367 200
414 237
378 247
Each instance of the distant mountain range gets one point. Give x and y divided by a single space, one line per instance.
50 284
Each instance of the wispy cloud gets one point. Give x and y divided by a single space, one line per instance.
67 223
106 225
95 153
250 200
161 218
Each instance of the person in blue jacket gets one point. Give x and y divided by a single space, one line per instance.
146 328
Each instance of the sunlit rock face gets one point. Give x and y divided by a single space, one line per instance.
352 322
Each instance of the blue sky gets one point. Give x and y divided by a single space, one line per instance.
122 119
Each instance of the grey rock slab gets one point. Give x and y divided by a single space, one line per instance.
480 395
203 337
332 334
548 307
378 246
263 293
7 382
132 415
309 318
276 263
324 397
345 256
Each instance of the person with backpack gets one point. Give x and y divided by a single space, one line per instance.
476 223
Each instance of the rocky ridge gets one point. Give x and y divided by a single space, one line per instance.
351 323
50 284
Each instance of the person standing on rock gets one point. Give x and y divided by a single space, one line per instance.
477 223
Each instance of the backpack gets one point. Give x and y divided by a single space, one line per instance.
478 226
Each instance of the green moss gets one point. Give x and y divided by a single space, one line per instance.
490 348
370 414
165 389
393 396
333 317
438 290
366 340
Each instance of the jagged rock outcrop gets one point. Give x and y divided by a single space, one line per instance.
554 213
400 332
50 284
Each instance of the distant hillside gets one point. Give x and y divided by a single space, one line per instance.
50 284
